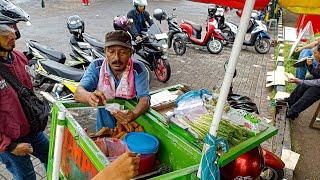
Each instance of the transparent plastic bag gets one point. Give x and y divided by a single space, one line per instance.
111 147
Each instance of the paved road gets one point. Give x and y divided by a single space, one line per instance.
197 67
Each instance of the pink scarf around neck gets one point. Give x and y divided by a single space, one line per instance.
125 89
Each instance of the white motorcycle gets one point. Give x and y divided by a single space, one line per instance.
257 30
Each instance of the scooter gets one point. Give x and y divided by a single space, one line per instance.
257 163
40 51
259 37
63 79
85 49
175 34
212 39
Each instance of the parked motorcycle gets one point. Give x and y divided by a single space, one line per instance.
259 37
151 50
63 79
84 47
175 34
212 39
40 51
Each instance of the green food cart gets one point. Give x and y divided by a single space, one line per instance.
73 155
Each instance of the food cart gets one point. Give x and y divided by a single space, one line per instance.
73 155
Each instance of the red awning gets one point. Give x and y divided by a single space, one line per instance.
237 4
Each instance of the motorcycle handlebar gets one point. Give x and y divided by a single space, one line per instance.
144 38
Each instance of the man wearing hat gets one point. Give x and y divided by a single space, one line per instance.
116 76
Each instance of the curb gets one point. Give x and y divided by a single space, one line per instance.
283 138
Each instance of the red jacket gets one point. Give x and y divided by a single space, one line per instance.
13 122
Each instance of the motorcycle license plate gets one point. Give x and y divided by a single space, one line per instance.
161 36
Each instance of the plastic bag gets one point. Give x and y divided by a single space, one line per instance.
111 147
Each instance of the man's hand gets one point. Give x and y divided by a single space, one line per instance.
22 149
123 117
124 167
295 80
298 49
97 97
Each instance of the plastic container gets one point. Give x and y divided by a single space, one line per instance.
111 147
147 146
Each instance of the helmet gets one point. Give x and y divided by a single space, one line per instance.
248 164
121 23
12 14
75 25
212 9
10 10
7 20
159 14
139 3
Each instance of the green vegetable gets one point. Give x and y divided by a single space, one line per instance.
234 134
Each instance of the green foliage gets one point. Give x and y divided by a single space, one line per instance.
288 65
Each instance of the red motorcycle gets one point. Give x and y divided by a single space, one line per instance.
212 38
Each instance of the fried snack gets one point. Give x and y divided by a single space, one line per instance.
139 129
102 133
134 124
127 128
123 136
120 134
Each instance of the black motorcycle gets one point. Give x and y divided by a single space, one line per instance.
151 50
40 51
175 34
47 65
85 49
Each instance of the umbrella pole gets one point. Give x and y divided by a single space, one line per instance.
236 48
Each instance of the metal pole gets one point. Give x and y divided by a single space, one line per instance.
236 48
58 145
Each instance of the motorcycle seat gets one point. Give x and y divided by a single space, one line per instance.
50 52
92 41
195 26
62 70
